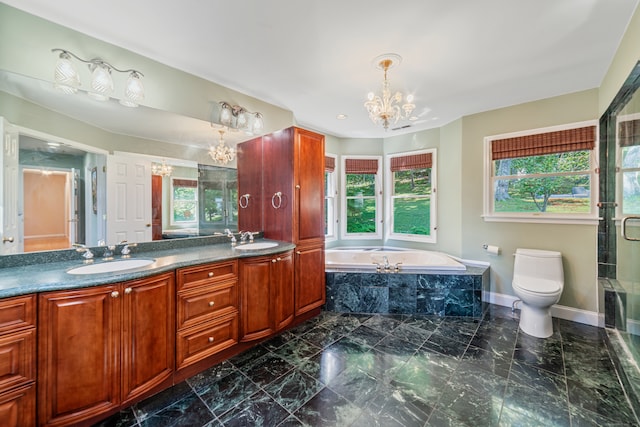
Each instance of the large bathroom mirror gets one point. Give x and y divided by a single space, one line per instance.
62 196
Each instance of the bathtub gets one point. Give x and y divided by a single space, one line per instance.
406 259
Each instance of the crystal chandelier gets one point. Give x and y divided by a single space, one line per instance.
385 108
222 153
161 169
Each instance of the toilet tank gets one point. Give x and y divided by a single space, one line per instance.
539 264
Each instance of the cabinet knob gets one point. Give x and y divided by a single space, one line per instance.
211 303
115 294
298 252
279 259
211 339
273 261
127 290
211 274
297 186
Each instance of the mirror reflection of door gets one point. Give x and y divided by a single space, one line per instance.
50 209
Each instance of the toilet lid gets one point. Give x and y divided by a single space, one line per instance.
538 286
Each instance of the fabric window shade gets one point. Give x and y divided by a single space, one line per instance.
361 166
329 164
561 141
415 161
190 183
629 133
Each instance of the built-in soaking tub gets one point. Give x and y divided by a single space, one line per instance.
425 282
389 258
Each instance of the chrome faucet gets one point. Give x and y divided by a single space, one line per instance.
387 266
230 234
86 252
126 249
244 235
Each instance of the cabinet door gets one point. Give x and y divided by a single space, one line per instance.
255 307
250 185
282 286
148 338
278 185
78 354
309 186
310 278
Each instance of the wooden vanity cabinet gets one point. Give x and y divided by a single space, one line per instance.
104 347
17 361
207 312
267 295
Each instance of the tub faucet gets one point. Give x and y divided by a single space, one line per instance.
387 266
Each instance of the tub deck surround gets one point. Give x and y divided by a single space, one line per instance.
442 293
404 259
49 273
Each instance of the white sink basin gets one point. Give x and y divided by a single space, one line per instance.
111 266
256 246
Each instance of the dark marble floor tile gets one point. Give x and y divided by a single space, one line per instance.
266 369
538 379
479 381
582 418
323 366
397 347
498 341
346 346
367 419
366 335
495 363
382 366
445 345
328 409
411 333
204 379
258 410
511 418
545 408
382 323
606 399
344 323
470 408
293 390
227 392
356 386
401 408
297 351
421 382
291 422
188 412
249 356
427 323
322 336
160 401
438 419
279 340
543 355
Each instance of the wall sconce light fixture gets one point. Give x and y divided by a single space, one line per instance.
67 79
237 117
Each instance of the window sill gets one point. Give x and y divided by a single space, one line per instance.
543 219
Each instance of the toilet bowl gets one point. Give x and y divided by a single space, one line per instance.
538 280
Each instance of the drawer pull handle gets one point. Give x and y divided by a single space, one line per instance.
211 274
127 290
211 303
115 294
273 261
211 339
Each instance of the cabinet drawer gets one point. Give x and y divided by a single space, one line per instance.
18 407
190 277
17 313
206 302
17 354
201 341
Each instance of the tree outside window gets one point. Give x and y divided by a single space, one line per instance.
184 201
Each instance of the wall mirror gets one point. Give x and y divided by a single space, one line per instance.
65 142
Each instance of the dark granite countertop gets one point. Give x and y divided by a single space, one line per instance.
40 277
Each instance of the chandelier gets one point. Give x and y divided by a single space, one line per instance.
387 108
222 153
67 79
161 169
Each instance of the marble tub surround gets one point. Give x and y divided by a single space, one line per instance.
33 278
343 369
446 293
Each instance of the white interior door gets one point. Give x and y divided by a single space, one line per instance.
10 233
128 199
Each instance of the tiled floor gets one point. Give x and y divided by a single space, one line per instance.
362 370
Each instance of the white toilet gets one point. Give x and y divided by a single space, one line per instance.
538 280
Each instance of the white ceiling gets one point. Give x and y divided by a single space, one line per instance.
315 57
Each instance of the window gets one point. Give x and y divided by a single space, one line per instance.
629 163
184 201
411 185
542 176
330 193
362 197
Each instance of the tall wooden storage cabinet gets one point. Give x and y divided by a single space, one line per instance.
292 203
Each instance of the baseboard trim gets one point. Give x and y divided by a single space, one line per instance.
560 311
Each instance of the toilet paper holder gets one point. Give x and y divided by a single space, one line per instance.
491 249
